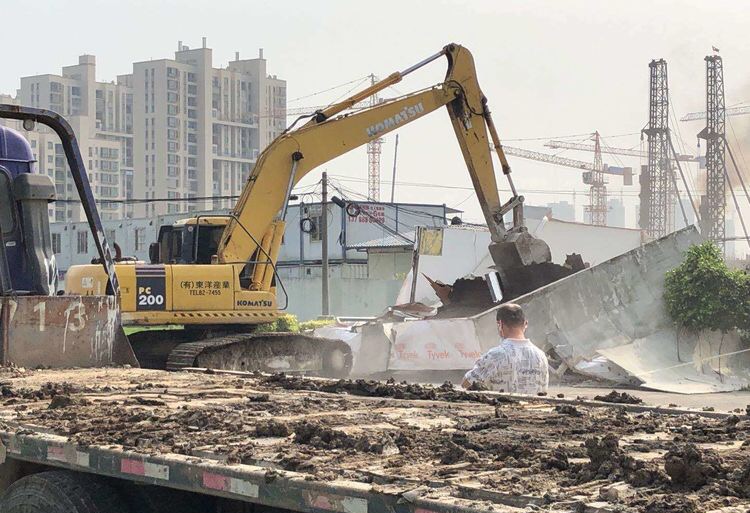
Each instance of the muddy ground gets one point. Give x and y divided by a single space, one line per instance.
561 455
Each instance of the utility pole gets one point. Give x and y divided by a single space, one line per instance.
713 204
326 310
393 180
657 193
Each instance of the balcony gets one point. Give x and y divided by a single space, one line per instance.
225 154
244 120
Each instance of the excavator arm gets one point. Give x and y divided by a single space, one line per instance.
330 133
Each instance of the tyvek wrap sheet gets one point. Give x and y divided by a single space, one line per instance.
447 344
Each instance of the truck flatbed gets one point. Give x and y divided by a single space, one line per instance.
372 447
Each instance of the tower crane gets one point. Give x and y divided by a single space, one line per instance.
374 147
566 145
732 111
593 175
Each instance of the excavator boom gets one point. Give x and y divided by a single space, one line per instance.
330 133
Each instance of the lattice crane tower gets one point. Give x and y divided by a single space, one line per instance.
597 207
713 204
374 150
657 191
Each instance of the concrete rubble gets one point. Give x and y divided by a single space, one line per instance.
606 322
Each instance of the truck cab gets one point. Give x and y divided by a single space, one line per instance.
27 260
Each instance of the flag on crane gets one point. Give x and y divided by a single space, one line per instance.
716 50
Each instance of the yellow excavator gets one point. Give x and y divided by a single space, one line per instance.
215 275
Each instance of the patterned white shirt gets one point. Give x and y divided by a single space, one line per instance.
515 366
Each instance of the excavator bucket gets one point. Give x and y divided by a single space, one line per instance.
62 332
524 263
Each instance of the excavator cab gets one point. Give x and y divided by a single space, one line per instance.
188 241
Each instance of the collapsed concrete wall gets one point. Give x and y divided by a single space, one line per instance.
616 310
607 321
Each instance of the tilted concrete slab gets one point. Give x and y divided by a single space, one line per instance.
613 310
616 310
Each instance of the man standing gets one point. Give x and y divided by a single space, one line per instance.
515 366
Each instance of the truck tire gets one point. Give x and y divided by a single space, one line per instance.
62 492
157 499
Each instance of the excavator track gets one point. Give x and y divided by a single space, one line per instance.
264 352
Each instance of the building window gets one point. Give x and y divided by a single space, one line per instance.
56 243
172 110
173 97
315 228
83 243
171 72
172 122
192 77
140 238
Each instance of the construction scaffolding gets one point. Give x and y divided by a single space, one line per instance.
657 190
713 204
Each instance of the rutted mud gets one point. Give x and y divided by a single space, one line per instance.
398 433
618 398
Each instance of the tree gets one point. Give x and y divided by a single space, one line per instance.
702 293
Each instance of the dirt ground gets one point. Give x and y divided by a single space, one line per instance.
398 435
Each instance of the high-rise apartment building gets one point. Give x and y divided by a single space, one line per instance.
199 129
101 117
563 210
176 131
616 215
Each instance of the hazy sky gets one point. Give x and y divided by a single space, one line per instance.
548 68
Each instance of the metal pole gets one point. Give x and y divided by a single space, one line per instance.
324 241
415 265
679 200
737 207
685 183
393 180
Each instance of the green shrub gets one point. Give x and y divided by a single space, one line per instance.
315 323
703 293
285 323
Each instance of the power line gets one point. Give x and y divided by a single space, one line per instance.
328 90
571 136
134 201
624 193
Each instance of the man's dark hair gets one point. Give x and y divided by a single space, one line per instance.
511 315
